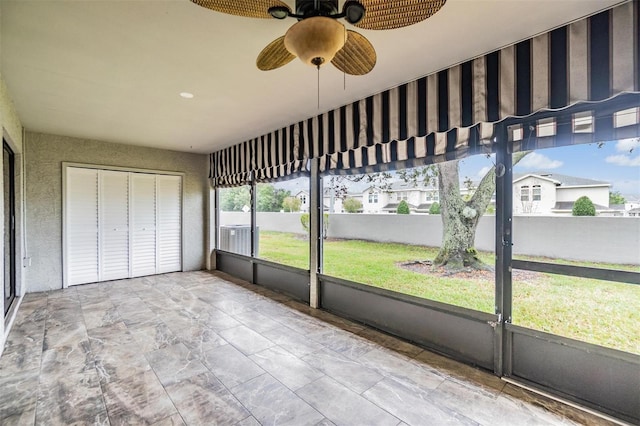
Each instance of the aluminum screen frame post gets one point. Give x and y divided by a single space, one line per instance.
315 234
504 243
215 244
254 223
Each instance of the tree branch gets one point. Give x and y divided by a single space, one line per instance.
482 196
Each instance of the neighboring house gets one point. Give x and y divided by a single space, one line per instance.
616 210
419 198
632 203
551 193
333 204
373 200
634 212
535 193
303 196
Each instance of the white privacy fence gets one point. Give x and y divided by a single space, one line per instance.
592 239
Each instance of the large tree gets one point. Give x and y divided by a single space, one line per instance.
270 198
234 199
460 217
291 204
616 198
460 213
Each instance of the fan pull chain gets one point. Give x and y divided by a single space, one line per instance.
318 86
344 63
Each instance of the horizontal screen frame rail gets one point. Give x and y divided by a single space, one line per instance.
627 277
427 303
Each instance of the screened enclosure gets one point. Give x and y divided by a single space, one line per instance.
551 303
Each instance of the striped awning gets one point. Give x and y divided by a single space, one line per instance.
572 72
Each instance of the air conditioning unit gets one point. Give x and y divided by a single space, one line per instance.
237 239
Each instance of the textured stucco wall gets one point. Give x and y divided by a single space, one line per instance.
9 119
45 155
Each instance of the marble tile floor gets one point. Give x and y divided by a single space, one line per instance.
203 348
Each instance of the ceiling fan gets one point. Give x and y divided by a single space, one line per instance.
318 37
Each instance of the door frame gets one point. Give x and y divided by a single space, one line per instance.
545 362
6 150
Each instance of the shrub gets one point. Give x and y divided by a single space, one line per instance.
435 208
305 221
351 205
583 207
616 198
291 204
403 208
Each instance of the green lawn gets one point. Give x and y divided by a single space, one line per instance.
593 311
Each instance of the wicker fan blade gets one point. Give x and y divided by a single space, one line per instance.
387 15
248 8
275 55
357 57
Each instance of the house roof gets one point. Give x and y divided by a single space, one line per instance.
425 206
113 70
568 205
559 179
394 206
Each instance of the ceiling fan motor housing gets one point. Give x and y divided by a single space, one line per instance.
308 8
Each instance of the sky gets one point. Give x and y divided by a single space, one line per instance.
616 162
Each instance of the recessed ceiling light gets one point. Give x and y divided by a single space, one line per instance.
186 95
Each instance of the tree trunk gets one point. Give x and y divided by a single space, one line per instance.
460 218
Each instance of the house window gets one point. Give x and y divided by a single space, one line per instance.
303 199
399 196
524 193
537 192
373 198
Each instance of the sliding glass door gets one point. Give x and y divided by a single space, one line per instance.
9 227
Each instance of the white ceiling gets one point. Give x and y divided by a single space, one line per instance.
112 70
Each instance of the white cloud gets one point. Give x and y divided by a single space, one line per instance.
628 145
535 161
626 187
623 160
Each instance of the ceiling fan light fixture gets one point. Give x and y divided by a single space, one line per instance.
279 12
315 40
353 12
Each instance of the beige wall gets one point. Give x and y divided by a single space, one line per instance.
9 117
44 157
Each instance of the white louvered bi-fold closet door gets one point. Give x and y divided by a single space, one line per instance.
81 217
143 224
114 225
121 224
169 214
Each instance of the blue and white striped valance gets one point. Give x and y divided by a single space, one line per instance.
452 113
